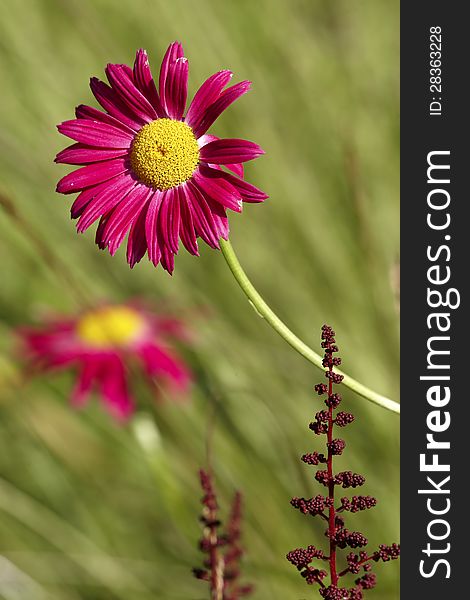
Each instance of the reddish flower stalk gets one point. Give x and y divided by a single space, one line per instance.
325 507
331 485
223 550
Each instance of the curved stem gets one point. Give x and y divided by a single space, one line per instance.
266 313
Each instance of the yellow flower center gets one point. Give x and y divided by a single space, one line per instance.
110 326
164 153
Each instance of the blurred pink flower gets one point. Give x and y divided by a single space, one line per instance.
151 171
102 345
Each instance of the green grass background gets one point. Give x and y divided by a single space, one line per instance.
90 510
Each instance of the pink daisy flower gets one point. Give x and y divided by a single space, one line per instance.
102 344
151 171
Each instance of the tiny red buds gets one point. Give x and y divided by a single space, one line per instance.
223 550
325 506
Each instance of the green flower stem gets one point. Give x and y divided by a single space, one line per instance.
266 313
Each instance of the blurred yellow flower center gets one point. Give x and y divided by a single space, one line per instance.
164 153
110 326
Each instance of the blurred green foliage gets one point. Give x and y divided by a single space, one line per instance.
96 511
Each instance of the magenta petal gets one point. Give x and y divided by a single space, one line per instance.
51 347
110 101
95 133
225 99
82 201
205 96
124 87
85 197
91 175
169 220
202 215
137 242
151 235
167 259
187 232
108 197
213 185
160 362
176 88
81 154
206 139
121 218
227 151
237 169
174 81
219 217
100 229
173 327
129 72
94 114
248 191
88 374
61 359
114 388
173 53
144 82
